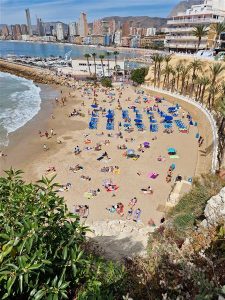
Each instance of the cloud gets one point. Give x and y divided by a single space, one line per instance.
12 11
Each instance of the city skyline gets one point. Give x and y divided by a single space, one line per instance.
51 10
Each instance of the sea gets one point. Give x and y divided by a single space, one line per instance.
20 98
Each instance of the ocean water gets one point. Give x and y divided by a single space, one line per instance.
20 101
48 49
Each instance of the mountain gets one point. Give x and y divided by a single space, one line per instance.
142 21
182 6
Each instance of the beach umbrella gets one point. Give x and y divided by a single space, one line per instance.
138 120
171 151
94 105
130 152
168 118
146 144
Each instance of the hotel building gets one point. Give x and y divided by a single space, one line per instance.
59 32
180 27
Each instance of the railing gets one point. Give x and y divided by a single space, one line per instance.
184 37
193 21
207 113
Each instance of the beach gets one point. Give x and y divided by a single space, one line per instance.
80 187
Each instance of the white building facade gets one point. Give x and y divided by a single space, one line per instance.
151 31
180 27
59 32
73 29
80 67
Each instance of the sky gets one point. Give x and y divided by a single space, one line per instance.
12 11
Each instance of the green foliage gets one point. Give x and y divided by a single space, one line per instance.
106 82
138 75
42 246
191 206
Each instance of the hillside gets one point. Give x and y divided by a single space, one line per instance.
142 21
183 5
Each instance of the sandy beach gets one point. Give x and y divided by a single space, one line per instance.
131 175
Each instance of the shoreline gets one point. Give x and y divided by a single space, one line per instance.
72 132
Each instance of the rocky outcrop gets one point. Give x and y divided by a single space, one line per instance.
38 75
119 239
215 209
183 6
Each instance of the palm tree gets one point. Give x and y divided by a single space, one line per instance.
216 69
178 69
116 53
200 31
195 65
87 56
217 29
168 70
160 60
101 56
154 58
108 54
94 58
205 81
167 58
184 73
221 132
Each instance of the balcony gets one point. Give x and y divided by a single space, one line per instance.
194 21
185 45
180 29
184 38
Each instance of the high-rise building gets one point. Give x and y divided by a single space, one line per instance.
16 32
5 31
24 29
83 25
126 28
150 31
59 32
180 27
97 27
73 29
40 27
112 26
28 21
118 38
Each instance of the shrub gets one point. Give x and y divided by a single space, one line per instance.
138 75
43 254
106 82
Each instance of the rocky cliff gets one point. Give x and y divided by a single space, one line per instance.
182 6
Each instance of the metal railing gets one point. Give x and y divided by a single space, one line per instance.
203 109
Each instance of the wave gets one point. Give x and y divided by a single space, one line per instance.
22 106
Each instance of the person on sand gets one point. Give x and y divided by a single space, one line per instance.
2 154
46 134
137 215
129 213
52 132
132 202
45 147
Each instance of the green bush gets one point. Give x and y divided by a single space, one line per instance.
106 82
43 252
138 75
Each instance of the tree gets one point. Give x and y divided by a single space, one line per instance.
42 246
216 69
155 58
108 54
217 29
115 53
200 31
87 56
195 65
94 58
138 75
221 131
160 60
205 81
101 56
106 82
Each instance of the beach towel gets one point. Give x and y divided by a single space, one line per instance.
174 156
153 175
88 195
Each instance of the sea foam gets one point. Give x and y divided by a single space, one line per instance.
18 107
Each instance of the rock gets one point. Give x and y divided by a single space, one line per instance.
215 209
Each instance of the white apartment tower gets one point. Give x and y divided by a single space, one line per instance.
73 29
83 25
180 27
59 32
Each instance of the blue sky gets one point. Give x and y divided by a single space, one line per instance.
12 11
